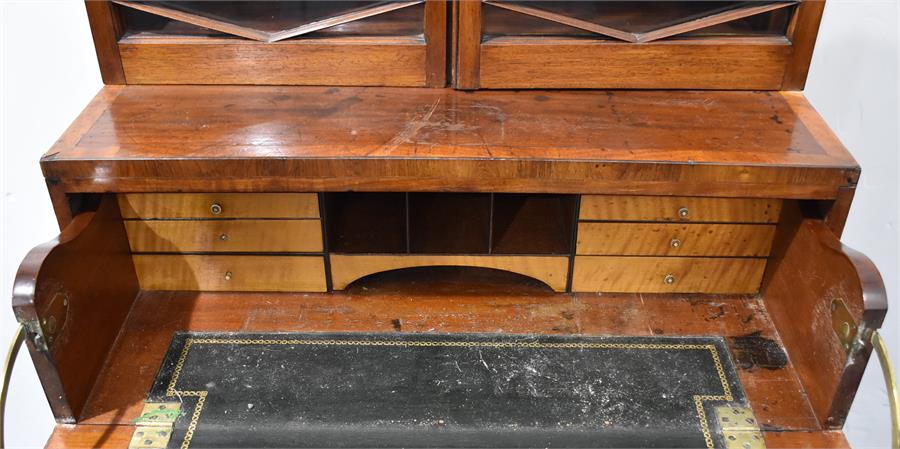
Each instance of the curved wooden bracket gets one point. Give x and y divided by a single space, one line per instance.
72 295
811 271
551 270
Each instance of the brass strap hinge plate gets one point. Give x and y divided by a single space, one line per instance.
154 426
739 427
844 324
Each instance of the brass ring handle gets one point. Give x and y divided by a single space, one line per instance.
227 275
215 208
890 381
669 279
675 243
683 213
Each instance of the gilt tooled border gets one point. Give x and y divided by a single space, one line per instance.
172 391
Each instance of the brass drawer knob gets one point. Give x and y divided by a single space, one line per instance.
223 237
215 208
669 279
683 213
675 243
227 275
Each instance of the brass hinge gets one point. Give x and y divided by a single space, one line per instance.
154 427
844 324
740 429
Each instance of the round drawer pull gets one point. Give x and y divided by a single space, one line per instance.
223 237
669 279
215 208
227 275
683 213
675 243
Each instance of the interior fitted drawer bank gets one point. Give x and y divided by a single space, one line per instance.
718 245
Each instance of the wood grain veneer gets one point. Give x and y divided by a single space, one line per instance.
233 205
660 208
370 61
230 272
225 235
648 274
746 144
528 63
656 239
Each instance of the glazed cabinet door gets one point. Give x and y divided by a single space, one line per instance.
693 44
358 43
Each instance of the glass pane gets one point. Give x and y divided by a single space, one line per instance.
629 16
772 23
273 16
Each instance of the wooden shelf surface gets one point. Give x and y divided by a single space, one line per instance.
261 138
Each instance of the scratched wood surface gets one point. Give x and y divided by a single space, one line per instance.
428 306
202 138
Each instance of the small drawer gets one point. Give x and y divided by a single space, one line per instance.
219 205
667 274
674 239
301 236
230 273
684 209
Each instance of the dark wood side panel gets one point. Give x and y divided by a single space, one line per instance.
747 64
436 32
468 25
73 294
347 61
840 210
809 269
802 32
106 29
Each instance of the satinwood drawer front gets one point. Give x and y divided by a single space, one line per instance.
674 239
302 235
230 272
682 209
219 205
667 274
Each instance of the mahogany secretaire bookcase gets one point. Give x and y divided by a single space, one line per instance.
450 224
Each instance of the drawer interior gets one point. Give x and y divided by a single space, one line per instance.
285 242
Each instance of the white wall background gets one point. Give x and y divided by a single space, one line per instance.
48 73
